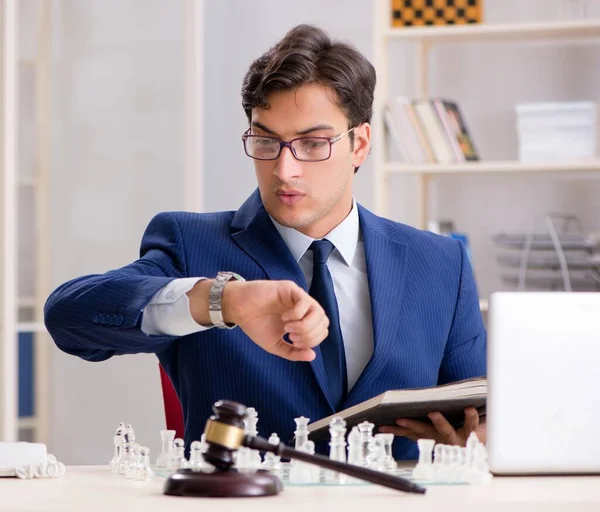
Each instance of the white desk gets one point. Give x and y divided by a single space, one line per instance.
95 488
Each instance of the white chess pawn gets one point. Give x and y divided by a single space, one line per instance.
177 461
134 465
167 438
438 461
272 461
366 434
445 471
144 471
196 462
389 463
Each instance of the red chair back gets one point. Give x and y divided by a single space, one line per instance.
173 410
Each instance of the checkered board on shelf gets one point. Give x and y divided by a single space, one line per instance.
407 13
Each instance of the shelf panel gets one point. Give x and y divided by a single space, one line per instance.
575 29
28 422
31 327
483 167
27 302
27 181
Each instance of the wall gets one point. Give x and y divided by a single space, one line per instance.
117 160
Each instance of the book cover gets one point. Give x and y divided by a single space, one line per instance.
439 143
459 127
385 409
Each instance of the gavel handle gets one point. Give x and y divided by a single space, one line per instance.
369 475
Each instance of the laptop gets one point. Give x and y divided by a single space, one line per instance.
543 406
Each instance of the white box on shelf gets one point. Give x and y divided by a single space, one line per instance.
557 131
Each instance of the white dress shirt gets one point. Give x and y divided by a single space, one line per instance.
168 311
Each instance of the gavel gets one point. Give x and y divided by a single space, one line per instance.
224 434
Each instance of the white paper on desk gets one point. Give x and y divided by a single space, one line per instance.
17 455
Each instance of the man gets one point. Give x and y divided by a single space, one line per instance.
302 302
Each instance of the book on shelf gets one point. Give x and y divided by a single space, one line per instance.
448 399
430 130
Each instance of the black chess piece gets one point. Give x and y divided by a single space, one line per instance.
224 434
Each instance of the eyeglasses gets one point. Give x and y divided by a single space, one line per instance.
305 149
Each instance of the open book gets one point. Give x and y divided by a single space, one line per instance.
385 409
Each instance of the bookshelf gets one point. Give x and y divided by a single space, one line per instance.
23 332
423 40
484 167
482 33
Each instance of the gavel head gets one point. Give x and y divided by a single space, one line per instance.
224 433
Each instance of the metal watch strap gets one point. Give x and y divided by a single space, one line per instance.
215 295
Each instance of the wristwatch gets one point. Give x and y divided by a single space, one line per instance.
215 294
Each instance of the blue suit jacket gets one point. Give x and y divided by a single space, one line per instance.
427 325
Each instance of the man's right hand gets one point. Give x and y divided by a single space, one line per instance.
266 311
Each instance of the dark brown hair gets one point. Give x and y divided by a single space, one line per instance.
308 55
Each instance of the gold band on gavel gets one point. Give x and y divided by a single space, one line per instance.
228 436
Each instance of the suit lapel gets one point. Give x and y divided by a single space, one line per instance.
256 235
386 273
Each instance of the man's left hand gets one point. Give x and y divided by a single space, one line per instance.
440 429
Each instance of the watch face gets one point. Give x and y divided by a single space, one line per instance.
228 275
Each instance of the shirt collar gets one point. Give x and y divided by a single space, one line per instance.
344 237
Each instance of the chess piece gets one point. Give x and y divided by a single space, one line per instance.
272 462
196 461
177 460
376 456
355 450
366 434
389 464
300 434
144 471
118 444
167 437
424 469
337 447
126 453
225 434
136 459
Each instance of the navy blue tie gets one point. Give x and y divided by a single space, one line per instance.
332 348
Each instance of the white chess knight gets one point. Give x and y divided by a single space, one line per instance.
453 463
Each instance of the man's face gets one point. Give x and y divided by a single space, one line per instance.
312 197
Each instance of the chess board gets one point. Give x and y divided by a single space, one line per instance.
323 478
407 13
